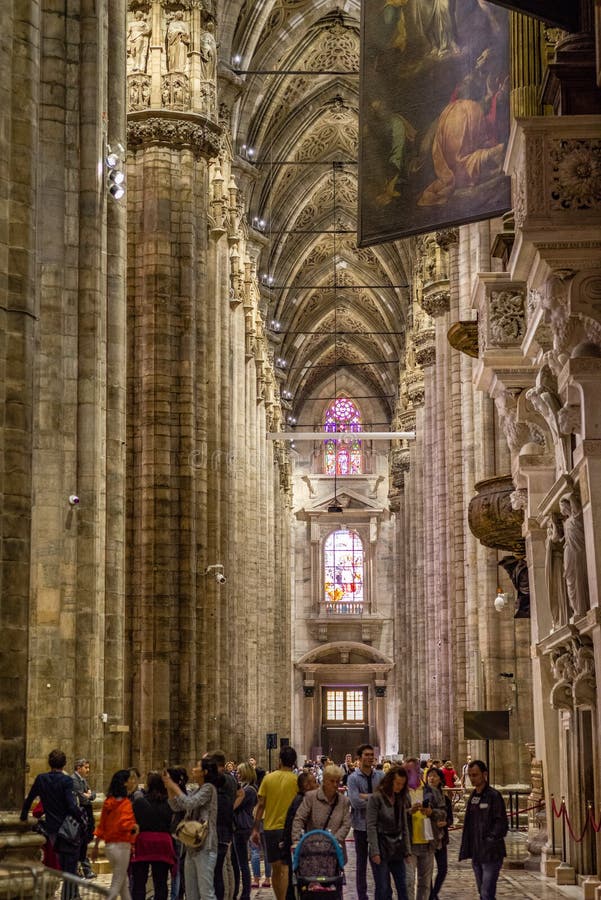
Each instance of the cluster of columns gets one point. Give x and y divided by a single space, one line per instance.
137 377
460 644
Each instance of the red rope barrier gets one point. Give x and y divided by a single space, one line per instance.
595 825
571 830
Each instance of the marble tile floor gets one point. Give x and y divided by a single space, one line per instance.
513 884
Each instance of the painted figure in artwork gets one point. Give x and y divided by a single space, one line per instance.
434 22
466 149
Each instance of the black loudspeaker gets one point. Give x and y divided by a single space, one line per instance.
272 740
284 742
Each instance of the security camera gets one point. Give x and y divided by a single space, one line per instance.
217 572
73 500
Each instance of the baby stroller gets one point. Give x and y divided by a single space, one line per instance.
318 865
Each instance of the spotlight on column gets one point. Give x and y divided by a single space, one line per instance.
115 173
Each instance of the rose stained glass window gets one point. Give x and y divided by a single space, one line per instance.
343 567
342 457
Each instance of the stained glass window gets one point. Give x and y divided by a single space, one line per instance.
343 558
342 457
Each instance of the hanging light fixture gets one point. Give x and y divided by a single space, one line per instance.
335 506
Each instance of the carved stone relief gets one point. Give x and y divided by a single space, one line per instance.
573 667
575 174
138 91
545 399
202 139
507 321
175 91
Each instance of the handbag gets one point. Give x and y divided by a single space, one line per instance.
70 832
392 847
192 833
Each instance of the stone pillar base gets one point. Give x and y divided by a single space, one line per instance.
549 864
102 866
565 874
590 887
18 843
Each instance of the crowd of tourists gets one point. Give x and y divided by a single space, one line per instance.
183 829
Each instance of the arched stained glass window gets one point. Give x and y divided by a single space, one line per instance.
342 457
343 567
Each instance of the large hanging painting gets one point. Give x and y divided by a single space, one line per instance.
434 115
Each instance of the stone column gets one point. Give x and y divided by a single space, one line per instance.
172 425
19 101
116 698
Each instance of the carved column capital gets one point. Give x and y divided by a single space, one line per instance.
152 128
437 302
446 237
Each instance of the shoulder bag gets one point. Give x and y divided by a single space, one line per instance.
392 846
70 832
332 808
193 833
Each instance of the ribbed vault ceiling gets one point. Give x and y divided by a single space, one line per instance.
303 130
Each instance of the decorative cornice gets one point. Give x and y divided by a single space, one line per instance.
173 129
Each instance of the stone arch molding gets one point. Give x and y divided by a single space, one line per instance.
326 654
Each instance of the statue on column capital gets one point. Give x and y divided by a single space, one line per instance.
545 400
574 553
554 578
137 40
177 40
207 47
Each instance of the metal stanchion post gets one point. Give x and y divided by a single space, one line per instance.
552 824
563 831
